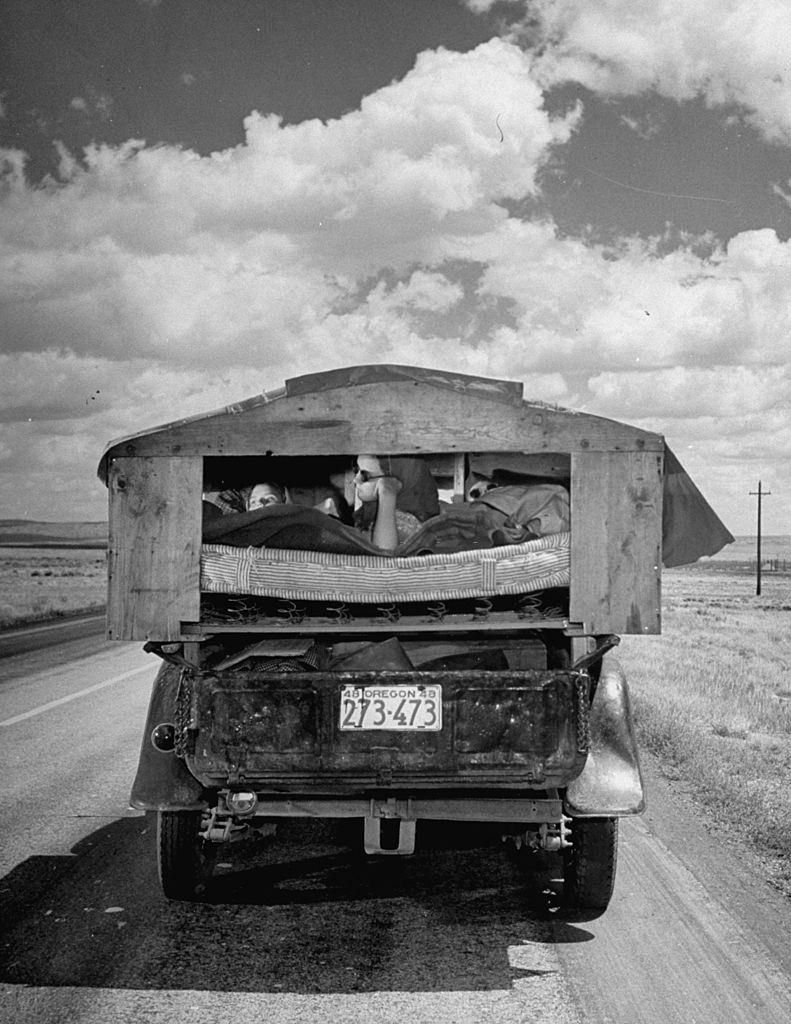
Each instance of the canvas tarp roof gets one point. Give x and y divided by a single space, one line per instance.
508 391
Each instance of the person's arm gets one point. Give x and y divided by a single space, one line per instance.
385 534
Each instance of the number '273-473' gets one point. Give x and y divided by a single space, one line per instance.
394 708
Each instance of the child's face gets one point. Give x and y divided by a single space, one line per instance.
264 495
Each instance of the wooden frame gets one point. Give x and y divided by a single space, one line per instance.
397 418
616 541
154 547
155 480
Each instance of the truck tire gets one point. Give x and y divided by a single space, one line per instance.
184 865
589 863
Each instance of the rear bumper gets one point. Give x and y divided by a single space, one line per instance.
416 808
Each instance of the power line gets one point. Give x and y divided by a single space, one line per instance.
655 192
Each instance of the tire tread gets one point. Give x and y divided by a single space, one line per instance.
182 865
590 864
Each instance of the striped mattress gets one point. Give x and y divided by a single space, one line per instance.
320 576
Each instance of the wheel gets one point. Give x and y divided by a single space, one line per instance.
589 863
184 863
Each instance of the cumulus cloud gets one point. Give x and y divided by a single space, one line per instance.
12 171
680 392
423 291
588 308
60 410
157 251
728 424
149 283
727 51
306 242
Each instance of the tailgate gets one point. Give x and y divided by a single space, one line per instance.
315 729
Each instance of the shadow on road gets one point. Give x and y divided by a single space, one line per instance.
302 912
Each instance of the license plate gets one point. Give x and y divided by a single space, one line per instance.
399 708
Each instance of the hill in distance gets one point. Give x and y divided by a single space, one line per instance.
743 548
30 533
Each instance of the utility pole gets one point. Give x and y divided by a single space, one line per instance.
759 494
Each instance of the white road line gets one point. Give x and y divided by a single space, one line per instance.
73 696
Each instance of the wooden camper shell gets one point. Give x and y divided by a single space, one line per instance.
155 483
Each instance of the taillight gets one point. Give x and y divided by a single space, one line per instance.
241 801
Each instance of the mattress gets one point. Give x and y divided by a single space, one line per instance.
320 576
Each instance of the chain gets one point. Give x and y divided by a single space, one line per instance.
581 713
183 712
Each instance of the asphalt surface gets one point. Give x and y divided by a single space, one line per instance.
42 637
302 928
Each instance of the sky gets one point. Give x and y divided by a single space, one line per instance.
202 198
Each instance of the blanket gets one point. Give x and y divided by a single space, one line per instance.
462 528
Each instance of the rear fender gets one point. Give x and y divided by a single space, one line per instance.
163 781
611 783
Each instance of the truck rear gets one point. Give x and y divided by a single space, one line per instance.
307 674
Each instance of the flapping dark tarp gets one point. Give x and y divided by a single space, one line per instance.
690 526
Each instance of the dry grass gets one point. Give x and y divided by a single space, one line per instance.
39 583
712 698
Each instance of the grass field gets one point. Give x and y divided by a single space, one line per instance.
39 583
712 698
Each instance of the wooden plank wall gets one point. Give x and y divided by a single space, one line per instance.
398 419
154 547
616 541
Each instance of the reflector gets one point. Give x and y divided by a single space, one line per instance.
163 736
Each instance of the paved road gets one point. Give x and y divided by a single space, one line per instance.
301 929
77 633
